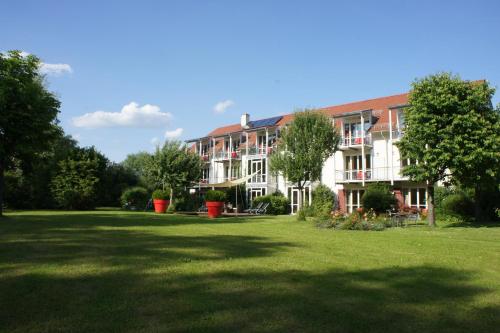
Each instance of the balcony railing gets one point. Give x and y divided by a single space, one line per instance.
371 174
355 141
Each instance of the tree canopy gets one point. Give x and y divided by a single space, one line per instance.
28 112
173 167
451 130
304 146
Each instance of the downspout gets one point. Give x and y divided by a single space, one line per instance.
363 161
391 157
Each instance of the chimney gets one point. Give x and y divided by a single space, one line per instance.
245 120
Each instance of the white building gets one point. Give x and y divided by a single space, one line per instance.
367 153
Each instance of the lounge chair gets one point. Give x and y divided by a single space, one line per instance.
263 209
252 210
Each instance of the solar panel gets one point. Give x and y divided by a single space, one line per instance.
265 122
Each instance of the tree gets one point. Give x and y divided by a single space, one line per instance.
173 167
474 135
28 112
304 146
137 163
76 185
443 133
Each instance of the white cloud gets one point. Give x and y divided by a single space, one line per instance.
155 141
174 134
222 106
55 69
131 115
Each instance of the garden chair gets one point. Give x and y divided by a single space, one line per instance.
251 210
263 209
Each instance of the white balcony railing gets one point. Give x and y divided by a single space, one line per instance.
371 174
356 141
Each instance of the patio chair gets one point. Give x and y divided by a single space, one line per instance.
263 209
413 218
251 210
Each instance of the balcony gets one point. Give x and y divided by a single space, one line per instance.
372 174
347 142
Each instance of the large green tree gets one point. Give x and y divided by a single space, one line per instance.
450 133
28 112
173 167
138 163
303 147
77 184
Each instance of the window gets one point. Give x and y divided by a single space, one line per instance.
259 167
353 199
256 192
415 197
205 174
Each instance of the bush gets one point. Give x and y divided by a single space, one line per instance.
378 197
323 201
186 202
278 203
301 215
161 195
458 203
441 193
135 197
214 195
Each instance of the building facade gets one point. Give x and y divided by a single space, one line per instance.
367 153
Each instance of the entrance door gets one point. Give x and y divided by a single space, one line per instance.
293 194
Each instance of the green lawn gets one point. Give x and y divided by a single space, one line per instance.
116 271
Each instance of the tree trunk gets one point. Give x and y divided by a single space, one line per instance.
1 187
299 206
478 212
171 195
431 214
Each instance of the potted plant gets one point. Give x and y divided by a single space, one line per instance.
160 200
214 201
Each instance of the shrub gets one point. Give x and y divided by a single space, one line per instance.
186 202
378 226
278 203
378 197
459 204
161 195
214 195
301 215
440 193
323 200
135 197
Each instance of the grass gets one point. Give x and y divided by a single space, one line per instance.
118 272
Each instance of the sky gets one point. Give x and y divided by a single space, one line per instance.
131 74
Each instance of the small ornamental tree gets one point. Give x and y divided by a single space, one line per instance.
304 146
172 167
451 131
28 112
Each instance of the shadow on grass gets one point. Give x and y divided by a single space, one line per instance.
418 299
91 219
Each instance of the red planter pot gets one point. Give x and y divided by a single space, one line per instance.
214 208
161 205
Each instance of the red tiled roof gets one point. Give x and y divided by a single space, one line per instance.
380 107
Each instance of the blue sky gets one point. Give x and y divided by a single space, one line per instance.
178 60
